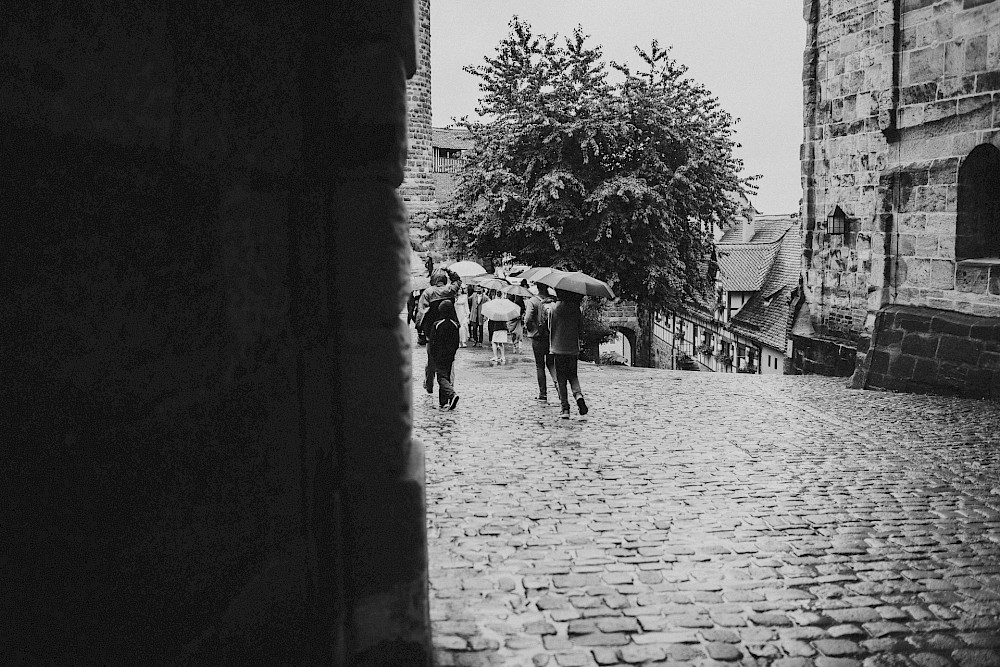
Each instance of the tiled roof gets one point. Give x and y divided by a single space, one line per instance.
766 317
743 266
451 138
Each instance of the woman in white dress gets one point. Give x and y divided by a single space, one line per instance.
462 311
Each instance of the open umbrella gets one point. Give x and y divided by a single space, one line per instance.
500 310
536 272
467 268
419 283
517 290
494 283
577 282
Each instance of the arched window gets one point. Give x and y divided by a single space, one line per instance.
977 232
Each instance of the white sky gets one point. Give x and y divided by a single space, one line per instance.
748 53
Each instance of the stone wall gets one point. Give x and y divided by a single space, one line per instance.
897 95
210 453
417 189
927 350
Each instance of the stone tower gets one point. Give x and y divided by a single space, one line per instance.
901 200
418 185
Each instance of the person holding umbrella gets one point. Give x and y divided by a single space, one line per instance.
565 322
443 346
427 313
565 325
536 326
499 312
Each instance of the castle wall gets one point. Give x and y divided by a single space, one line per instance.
417 189
897 94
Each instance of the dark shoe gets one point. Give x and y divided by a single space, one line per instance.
542 397
453 402
564 414
582 405
429 390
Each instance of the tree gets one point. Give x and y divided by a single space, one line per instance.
621 180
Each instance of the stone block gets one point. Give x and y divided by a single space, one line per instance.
923 65
975 54
880 361
926 369
939 110
902 366
942 274
975 103
918 272
988 81
919 345
926 245
972 279
959 350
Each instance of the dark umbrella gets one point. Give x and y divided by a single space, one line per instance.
576 282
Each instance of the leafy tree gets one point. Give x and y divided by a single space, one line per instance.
621 180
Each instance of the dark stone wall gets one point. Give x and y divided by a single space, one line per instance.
182 188
926 350
820 356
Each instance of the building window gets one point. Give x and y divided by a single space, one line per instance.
977 230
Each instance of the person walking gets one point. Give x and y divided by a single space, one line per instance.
536 327
565 322
476 301
445 285
443 346
462 311
498 338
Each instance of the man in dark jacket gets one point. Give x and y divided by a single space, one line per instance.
536 328
565 323
427 313
443 346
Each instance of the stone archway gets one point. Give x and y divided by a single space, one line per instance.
632 337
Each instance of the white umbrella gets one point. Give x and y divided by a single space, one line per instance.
536 272
500 310
517 290
467 268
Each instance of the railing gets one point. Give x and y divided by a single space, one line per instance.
448 165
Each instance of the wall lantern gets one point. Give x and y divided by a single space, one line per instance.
837 222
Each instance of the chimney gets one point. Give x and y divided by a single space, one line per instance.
748 227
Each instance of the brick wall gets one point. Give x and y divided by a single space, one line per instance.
935 351
417 189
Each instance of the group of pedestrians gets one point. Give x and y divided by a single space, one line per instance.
553 325
449 316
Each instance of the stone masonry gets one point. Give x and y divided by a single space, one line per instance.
417 189
919 350
898 93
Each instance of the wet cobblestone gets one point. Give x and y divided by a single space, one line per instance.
708 519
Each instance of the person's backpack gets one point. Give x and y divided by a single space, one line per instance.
539 326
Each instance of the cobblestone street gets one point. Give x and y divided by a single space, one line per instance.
700 518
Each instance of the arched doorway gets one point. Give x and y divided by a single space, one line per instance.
977 230
622 344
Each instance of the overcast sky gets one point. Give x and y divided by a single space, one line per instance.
747 52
